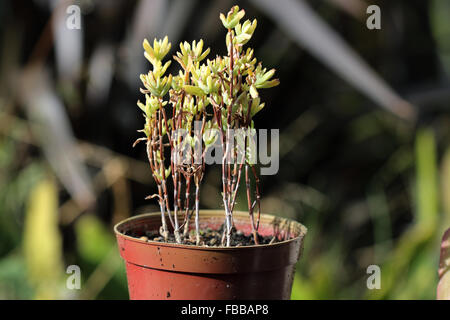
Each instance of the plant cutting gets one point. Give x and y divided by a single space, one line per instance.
207 108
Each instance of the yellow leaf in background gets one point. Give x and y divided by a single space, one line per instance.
427 211
42 241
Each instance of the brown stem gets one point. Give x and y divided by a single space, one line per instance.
186 205
197 213
165 231
250 206
258 196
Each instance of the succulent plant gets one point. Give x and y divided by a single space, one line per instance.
221 94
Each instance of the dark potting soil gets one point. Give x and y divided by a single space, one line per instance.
208 238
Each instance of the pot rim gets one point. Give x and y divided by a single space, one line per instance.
302 232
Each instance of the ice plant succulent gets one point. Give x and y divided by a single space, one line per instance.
188 113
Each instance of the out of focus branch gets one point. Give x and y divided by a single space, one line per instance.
298 20
93 155
355 8
51 126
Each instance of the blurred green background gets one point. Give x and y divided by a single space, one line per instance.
364 138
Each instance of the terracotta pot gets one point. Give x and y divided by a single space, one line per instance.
158 270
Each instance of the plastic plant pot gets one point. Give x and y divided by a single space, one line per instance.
157 270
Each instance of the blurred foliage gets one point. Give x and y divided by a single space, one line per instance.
93 239
42 243
371 188
441 27
13 284
98 252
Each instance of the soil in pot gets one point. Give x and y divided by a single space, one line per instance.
209 237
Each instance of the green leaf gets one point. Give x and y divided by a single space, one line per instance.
167 172
268 84
224 20
231 24
242 38
14 285
257 108
269 74
204 54
141 106
193 90
253 92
